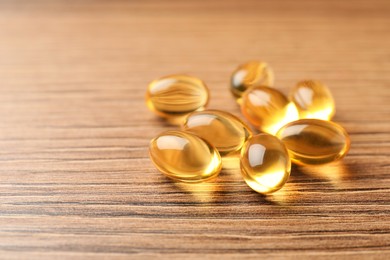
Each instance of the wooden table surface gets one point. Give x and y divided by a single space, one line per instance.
75 177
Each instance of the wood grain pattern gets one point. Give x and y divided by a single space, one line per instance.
75 178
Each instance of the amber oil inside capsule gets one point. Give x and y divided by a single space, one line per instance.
314 141
253 73
265 164
185 157
313 99
223 130
267 109
174 97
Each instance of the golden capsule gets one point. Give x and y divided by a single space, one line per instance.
313 100
314 141
254 73
265 164
223 130
185 157
173 97
267 109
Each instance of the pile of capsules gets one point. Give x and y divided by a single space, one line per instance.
295 129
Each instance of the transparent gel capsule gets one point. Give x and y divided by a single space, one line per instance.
265 164
185 157
254 73
313 100
314 141
223 130
267 109
174 97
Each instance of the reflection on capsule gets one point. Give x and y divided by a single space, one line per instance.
223 130
267 109
174 97
314 141
313 100
185 157
265 164
254 73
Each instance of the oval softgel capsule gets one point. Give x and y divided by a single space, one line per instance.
253 73
185 157
174 97
267 109
313 99
223 130
265 164
314 141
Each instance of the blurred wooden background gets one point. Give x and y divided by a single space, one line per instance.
75 177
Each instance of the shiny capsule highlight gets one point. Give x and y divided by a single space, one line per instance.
185 157
267 109
313 99
253 73
313 141
174 97
223 130
265 164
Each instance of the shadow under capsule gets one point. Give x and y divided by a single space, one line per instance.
171 121
210 192
203 192
335 173
207 191
289 194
